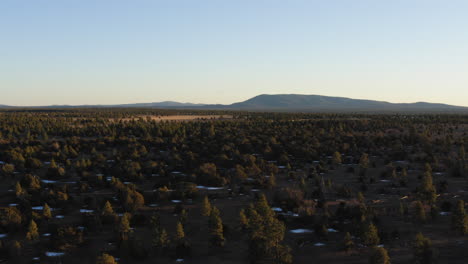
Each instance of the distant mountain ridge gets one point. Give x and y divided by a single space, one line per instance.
329 103
292 103
162 104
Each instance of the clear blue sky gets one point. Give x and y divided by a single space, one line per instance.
216 51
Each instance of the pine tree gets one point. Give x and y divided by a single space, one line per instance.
19 190
33 233
183 217
107 210
262 207
46 212
239 173
108 214
182 245
106 259
427 190
423 251
360 197
15 248
160 239
124 226
370 235
364 161
379 256
336 158
266 233
402 209
428 168
53 165
419 212
216 228
283 255
206 206
348 242
271 181
460 219
163 240
13 218
404 177
180 234
244 221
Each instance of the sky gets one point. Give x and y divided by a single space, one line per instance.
220 51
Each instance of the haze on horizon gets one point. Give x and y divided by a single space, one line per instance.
208 51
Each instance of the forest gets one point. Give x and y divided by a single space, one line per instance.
116 185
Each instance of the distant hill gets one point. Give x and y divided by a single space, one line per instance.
165 104
309 103
170 104
292 103
299 101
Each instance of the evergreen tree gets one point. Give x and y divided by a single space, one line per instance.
216 228
46 212
283 255
13 218
244 221
460 219
239 173
19 190
106 259
348 242
108 214
427 190
124 226
423 251
183 217
181 243
107 210
262 207
360 197
336 158
271 181
33 232
180 234
15 248
266 233
364 161
206 206
419 212
370 235
160 238
379 255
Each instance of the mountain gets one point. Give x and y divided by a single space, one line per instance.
170 104
5 106
165 104
291 103
299 101
312 103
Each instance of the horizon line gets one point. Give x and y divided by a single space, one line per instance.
225 104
